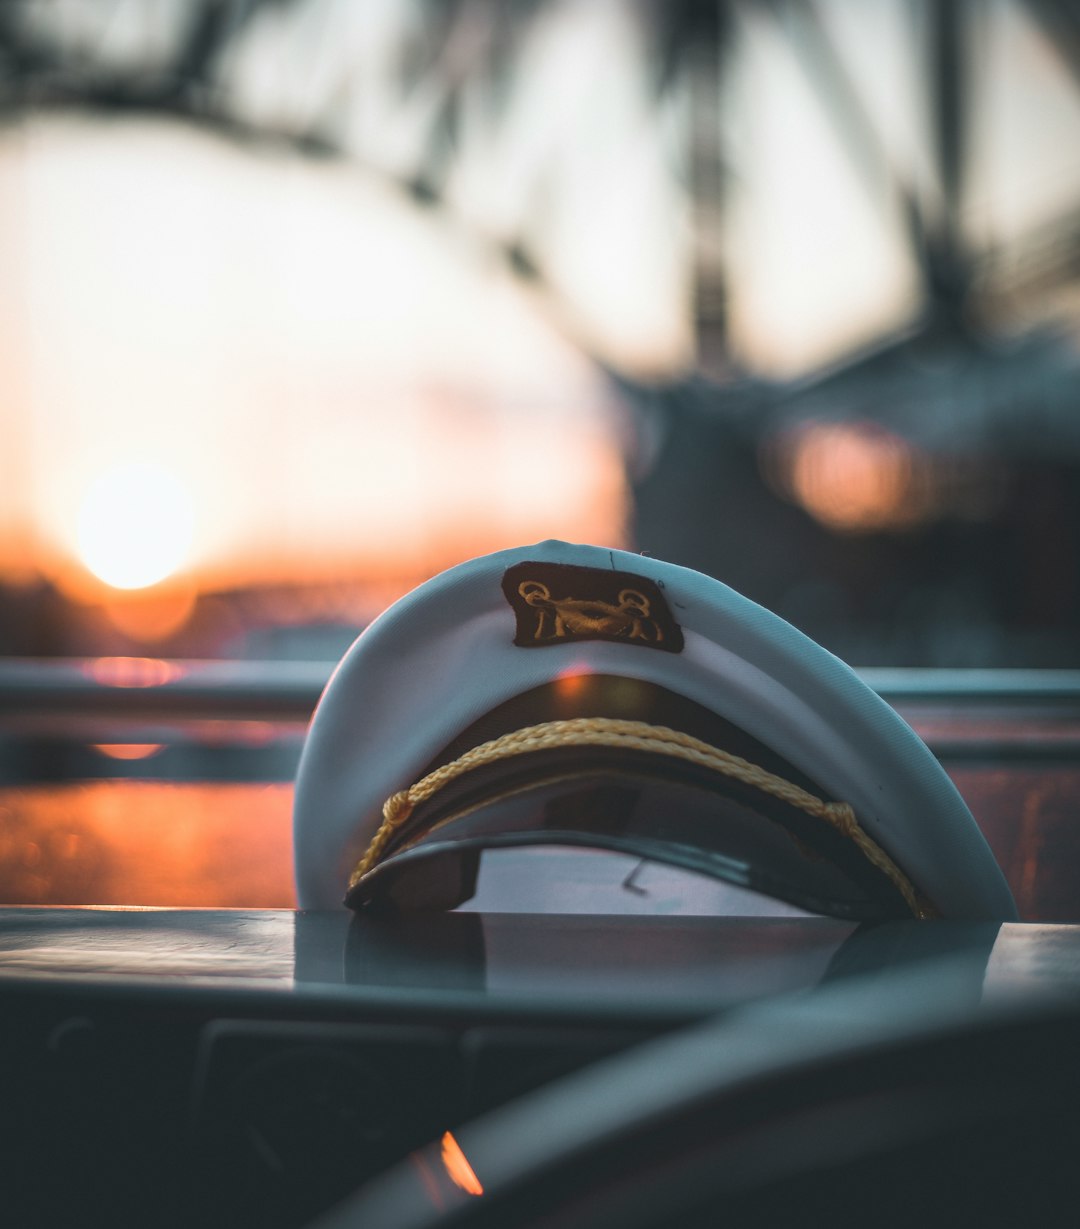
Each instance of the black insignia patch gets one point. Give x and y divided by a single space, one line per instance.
558 603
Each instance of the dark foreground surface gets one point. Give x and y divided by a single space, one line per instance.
256 1067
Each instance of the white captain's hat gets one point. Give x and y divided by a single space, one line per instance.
577 696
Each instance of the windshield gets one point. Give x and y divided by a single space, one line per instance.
303 303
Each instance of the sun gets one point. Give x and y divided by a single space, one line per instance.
135 525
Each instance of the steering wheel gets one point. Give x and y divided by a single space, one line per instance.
885 1100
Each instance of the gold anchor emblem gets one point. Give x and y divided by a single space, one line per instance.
560 618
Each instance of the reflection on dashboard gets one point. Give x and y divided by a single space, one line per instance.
255 1067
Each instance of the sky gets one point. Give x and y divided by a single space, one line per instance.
240 365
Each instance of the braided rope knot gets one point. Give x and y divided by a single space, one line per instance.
842 817
633 736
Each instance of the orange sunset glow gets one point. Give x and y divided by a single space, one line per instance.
147 842
275 373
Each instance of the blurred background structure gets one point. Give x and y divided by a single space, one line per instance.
304 300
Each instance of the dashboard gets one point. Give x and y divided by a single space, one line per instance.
233 1067
504 1064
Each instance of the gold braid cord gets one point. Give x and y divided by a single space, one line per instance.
631 736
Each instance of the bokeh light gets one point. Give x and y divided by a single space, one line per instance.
854 476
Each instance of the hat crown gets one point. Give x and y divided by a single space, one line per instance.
499 626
